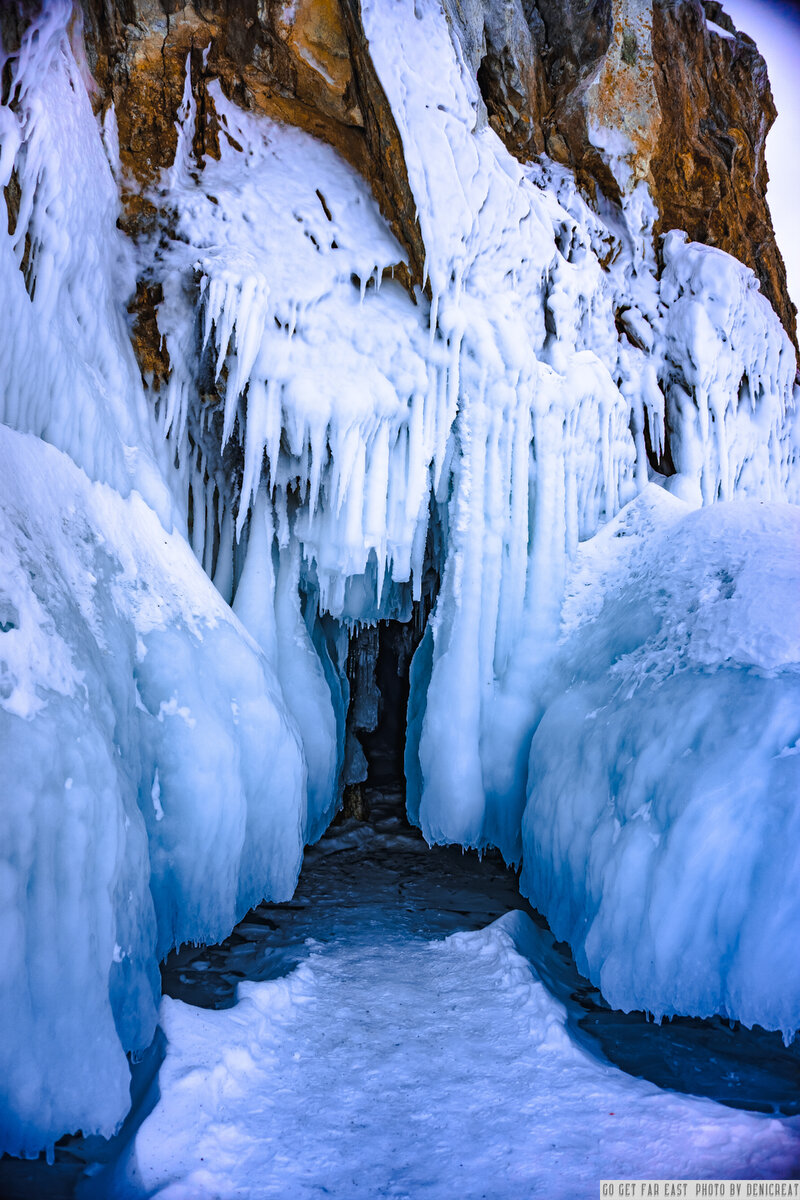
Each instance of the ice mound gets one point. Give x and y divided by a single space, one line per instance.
153 785
662 827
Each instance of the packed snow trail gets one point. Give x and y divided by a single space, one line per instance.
369 1060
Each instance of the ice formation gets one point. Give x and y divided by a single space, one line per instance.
505 418
153 784
662 825
154 781
69 372
329 443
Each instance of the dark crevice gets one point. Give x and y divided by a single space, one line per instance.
661 462
384 746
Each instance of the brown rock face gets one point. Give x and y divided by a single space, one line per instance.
709 170
290 61
305 62
604 117
630 90
301 61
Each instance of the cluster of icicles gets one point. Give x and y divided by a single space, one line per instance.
482 432
472 433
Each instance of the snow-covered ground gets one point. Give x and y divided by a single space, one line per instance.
405 1029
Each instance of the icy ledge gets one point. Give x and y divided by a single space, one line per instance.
662 831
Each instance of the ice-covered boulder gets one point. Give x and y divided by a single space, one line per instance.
662 831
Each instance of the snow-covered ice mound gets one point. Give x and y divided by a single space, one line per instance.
662 831
153 784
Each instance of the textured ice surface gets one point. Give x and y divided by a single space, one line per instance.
541 470
662 828
280 630
290 249
726 375
483 432
153 784
69 373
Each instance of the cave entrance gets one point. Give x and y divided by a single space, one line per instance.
384 746
378 667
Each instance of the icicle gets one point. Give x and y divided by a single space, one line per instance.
223 571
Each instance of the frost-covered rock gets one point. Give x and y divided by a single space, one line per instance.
662 827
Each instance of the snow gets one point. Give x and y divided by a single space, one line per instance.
138 812
661 832
719 31
407 1047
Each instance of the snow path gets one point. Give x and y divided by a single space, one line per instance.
389 1064
427 1070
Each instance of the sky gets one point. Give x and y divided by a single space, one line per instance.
775 27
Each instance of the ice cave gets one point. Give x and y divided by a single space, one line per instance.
400 602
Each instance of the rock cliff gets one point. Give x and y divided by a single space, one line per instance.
623 90
619 90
